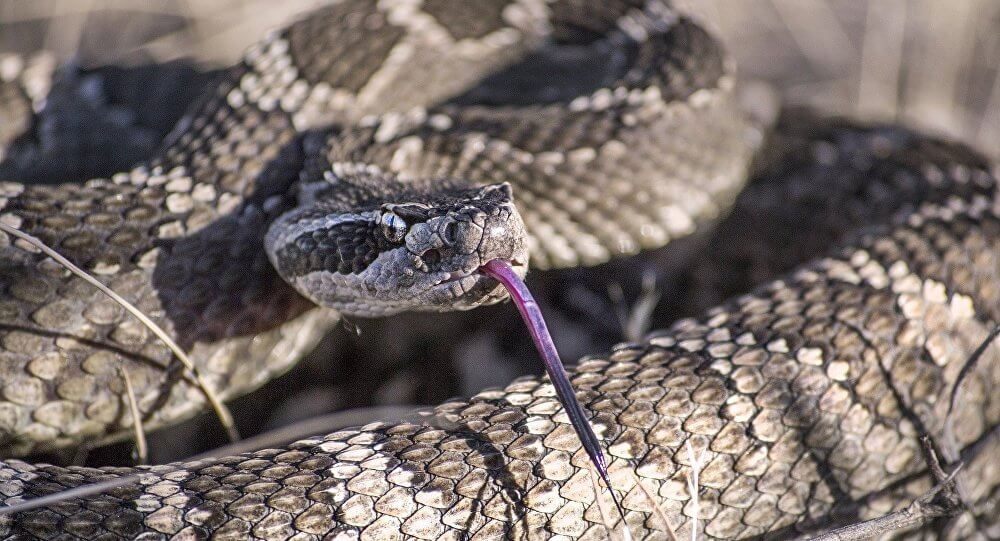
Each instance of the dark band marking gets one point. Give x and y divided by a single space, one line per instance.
363 42
583 21
683 60
468 18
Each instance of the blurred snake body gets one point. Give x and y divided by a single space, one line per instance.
369 158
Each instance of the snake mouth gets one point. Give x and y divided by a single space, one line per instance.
516 264
457 276
454 276
468 289
520 268
497 291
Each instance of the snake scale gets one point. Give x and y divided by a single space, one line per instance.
389 129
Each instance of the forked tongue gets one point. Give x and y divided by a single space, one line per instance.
502 272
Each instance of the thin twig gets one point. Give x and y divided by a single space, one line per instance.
941 501
141 451
922 509
970 363
221 411
933 464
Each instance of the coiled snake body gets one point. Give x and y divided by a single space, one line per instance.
361 156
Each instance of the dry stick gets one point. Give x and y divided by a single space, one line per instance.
141 450
933 464
225 417
970 363
923 508
948 443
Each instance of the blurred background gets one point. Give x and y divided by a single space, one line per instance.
929 64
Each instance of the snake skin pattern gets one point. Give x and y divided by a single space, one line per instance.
181 237
806 398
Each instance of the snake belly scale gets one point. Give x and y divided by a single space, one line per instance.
369 158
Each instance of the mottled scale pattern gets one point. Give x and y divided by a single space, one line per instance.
824 175
803 400
181 236
603 175
144 233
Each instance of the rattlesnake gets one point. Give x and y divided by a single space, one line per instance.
380 127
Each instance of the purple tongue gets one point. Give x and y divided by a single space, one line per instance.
501 271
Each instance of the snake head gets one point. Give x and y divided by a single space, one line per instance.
419 251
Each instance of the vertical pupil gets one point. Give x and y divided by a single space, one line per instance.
450 233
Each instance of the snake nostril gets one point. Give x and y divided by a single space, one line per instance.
449 234
431 257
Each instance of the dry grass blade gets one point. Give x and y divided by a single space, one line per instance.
814 26
931 93
317 425
636 321
696 464
602 507
81 491
989 129
141 450
657 509
882 59
225 417
322 424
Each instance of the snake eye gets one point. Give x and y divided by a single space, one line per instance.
393 227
